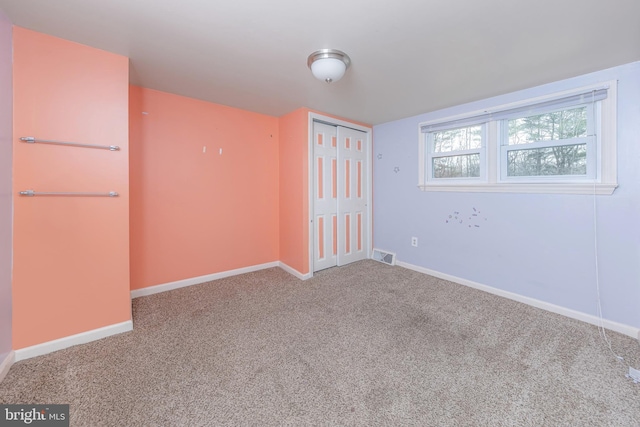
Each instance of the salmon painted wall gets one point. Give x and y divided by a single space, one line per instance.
294 190
194 211
6 209
71 254
294 187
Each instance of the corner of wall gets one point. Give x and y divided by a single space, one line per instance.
5 364
6 190
293 181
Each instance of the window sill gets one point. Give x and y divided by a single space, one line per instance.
543 188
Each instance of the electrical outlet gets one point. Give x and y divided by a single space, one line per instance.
414 242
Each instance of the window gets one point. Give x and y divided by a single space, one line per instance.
456 153
557 144
562 143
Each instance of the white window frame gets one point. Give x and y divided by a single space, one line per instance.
480 151
593 135
601 169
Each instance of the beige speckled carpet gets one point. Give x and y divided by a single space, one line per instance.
362 345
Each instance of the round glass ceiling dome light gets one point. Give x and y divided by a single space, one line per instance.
328 65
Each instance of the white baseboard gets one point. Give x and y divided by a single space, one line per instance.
70 341
578 315
294 272
5 365
200 279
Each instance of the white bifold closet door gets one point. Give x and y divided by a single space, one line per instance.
340 193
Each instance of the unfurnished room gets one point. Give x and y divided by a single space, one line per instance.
349 213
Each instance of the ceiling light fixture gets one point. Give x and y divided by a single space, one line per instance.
328 65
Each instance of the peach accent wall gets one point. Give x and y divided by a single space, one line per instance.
71 254
294 190
195 213
294 187
6 209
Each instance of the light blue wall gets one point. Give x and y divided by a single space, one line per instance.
536 245
6 129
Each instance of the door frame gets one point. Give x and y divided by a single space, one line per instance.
316 117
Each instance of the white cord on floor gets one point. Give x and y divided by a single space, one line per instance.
632 374
601 328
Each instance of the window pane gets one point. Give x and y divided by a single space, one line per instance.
466 166
468 138
558 125
560 160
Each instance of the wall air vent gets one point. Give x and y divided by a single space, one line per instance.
384 257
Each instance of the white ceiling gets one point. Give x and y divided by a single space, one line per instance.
408 56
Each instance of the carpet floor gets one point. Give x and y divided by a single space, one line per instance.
360 345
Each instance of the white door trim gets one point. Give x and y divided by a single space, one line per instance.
369 140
